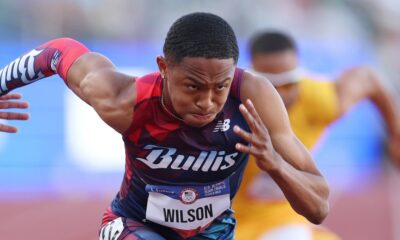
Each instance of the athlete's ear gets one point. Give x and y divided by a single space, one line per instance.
162 66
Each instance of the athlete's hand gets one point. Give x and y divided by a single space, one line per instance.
5 103
260 145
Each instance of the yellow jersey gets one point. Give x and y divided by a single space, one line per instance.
316 107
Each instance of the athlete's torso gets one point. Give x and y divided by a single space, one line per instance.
161 150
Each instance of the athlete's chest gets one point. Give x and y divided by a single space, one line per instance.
169 149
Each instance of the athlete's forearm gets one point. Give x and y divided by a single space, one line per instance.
361 83
54 57
306 192
387 106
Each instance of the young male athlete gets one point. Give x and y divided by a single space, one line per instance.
312 105
6 102
186 143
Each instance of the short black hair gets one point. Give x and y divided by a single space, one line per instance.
201 35
271 42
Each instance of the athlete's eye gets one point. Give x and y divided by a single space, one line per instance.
221 87
192 87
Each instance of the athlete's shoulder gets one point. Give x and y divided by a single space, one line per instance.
251 77
254 84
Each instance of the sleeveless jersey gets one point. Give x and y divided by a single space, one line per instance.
162 150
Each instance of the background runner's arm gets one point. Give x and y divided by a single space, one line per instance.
360 83
278 151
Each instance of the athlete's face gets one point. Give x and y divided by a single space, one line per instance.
276 63
196 89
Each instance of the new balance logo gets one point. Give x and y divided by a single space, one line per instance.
222 126
163 157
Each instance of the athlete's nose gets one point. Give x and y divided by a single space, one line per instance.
205 100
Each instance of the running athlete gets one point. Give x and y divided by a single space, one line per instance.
312 105
188 130
5 103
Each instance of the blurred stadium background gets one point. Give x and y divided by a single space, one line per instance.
59 173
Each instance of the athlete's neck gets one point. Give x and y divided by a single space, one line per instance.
166 103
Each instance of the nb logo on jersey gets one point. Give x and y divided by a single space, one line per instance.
222 126
163 157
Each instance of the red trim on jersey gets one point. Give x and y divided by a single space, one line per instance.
149 86
146 87
108 216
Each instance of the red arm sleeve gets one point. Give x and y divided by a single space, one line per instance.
53 57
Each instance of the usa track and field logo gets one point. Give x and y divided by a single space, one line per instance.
188 195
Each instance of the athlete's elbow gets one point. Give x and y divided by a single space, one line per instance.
320 213
321 209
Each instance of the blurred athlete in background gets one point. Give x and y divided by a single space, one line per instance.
312 105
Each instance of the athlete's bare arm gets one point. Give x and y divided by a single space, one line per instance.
278 151
7 102
359 83
97 82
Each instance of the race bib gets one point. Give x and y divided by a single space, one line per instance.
187 208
